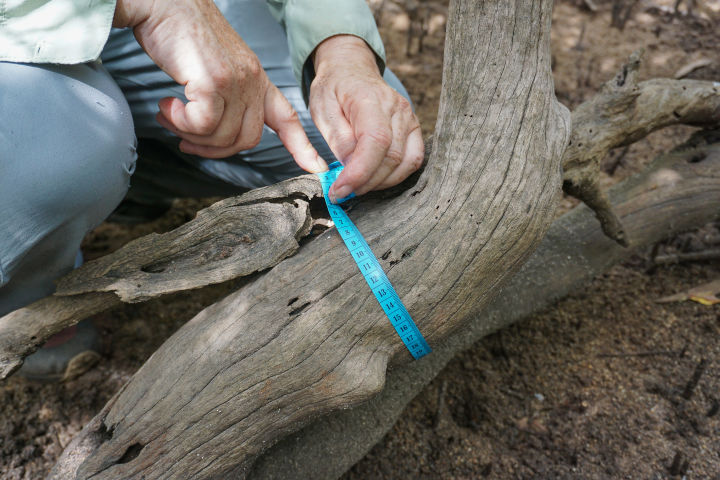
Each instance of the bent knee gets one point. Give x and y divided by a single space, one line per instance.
71 136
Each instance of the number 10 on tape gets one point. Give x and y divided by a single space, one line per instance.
372 271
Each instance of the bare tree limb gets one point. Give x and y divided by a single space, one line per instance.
232 238
622 113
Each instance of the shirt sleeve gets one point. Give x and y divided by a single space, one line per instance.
309 22
54 31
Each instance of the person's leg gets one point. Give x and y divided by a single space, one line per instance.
144 85
68 152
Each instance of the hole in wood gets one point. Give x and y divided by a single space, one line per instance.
408 252
292 300
299 309
153 268
104 433
697 158
131 453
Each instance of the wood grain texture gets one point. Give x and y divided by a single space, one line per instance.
308 337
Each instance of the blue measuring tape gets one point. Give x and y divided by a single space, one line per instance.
371 269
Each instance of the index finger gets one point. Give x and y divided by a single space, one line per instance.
281 117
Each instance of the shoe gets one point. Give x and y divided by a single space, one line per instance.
65 356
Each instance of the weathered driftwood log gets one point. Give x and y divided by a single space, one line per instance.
679 191
307 337
623 112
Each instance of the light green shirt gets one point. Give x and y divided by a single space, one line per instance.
75 31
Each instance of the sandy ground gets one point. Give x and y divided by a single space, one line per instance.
600 386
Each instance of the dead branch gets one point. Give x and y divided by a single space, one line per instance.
710 254
232 238
279 376
624 112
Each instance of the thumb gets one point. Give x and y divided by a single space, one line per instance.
282 117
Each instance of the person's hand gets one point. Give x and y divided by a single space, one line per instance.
229 94
369 127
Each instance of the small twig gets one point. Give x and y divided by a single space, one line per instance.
621 13
669 353
677 7
668 258
513 393
579 45
690 387
692 66
679 464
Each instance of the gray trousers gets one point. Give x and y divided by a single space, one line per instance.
68 148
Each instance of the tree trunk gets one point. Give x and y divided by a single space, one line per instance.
307 337
679 191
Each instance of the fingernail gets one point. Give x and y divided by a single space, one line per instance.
322 166
343 191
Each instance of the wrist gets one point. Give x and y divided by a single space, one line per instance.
130 13
343 49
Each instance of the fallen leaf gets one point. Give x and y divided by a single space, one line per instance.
705 294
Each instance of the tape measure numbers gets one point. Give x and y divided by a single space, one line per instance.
371 269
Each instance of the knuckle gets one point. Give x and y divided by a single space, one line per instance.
381 136
345 139
394 157
250 141
225 141
291 116
223 80
205 127
403 105
254 141
254 68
